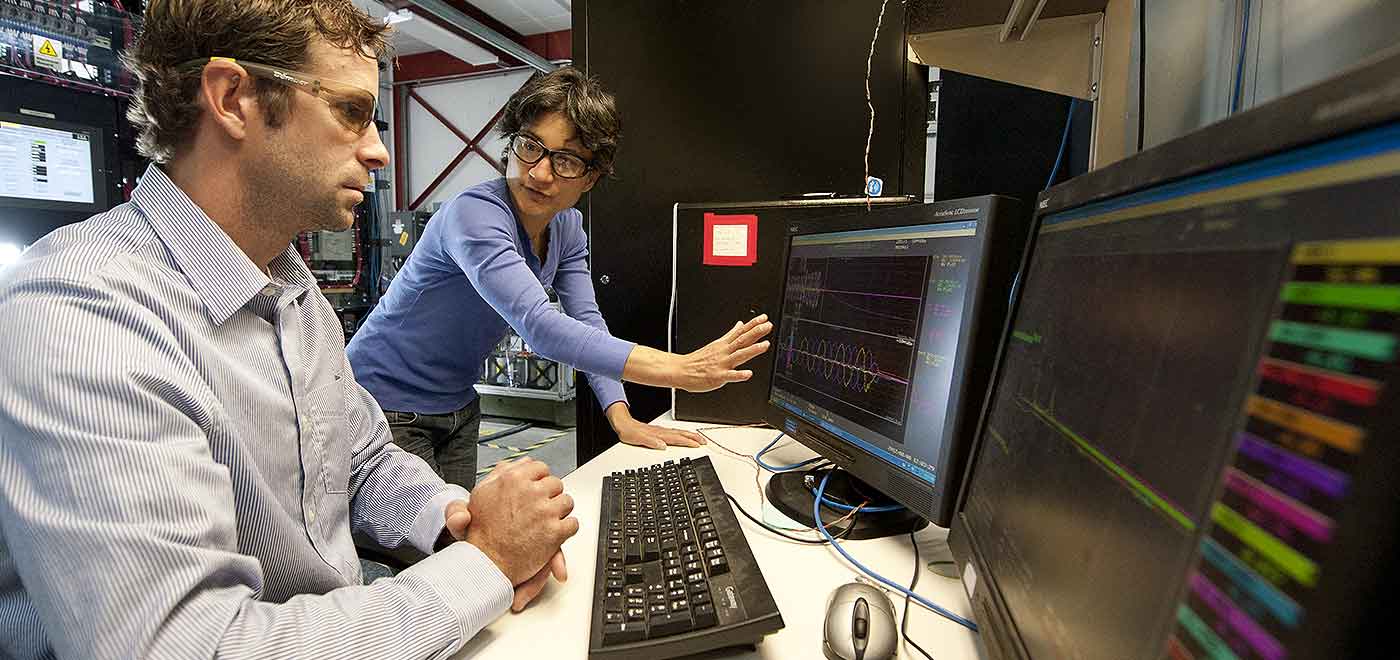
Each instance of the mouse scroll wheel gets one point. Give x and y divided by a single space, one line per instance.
860 620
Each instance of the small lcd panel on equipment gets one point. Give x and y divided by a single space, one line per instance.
50 165
880 321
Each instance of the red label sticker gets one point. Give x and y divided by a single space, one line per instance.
731 240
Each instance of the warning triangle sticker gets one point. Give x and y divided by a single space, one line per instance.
48 49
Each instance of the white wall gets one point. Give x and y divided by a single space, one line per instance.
1301 42
430 146
1193 51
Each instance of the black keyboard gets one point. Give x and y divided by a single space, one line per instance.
675 575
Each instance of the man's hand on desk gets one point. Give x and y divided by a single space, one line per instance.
458 516
519 517
633 432
524 593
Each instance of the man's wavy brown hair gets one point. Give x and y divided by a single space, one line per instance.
275 32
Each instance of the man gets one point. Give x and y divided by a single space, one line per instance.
183 453
485 262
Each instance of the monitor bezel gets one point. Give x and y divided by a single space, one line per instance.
936 501
96 153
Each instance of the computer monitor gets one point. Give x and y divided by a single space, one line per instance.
877 351
1190 449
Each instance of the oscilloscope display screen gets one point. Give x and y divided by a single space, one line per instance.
869 335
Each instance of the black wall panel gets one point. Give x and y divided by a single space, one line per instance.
731 99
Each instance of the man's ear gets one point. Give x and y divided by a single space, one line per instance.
225 91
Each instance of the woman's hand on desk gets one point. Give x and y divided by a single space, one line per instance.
633 432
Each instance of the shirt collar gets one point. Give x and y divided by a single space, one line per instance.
219 271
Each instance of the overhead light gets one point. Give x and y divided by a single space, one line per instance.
9 253
438 37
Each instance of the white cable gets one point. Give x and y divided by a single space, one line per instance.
870 136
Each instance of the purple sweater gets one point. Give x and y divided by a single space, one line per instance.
471 274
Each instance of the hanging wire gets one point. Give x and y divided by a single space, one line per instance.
870 136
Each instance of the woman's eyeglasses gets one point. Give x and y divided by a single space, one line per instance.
565 164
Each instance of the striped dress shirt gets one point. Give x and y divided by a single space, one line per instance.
184 454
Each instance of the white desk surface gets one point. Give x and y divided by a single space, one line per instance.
799 576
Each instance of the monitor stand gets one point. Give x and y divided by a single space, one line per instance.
788 492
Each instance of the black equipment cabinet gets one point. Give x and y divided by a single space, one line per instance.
710 298
731 99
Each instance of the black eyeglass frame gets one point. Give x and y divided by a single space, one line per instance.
546 152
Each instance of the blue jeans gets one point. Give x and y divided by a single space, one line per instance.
447 441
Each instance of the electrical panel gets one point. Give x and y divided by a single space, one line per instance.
75 44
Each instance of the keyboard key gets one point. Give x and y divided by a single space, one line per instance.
718 566
613 604
635 575
700 597
658 608
670 624
679 606
705 615
622 633
612 617
637 591
636 613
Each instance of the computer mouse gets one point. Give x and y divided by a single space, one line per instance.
859 624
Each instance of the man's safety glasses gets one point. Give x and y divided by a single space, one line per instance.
352 106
